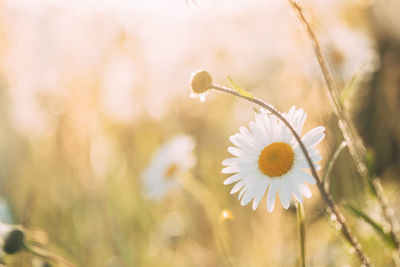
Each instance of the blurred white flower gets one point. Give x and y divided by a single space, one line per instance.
349 50
168 163
269 159
5 214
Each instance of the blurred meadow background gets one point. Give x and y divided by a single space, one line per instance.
90 91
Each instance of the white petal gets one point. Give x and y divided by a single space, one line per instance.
305 190
234 151
241 162
304 176
291 113
273 188
247 197
303 164
294 188
242 191
265 133
296 118
231 169
313 137
233 178
242 142
261 189
237 186
247 136
284 194
251 191
297 195
230 161
316 158
300 122
270 126
257 133
313 153
247 188
285 133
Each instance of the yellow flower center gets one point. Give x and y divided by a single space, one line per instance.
170 171
276 159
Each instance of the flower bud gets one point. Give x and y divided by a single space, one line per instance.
201 82
11 238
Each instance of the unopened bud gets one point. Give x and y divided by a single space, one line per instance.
201 82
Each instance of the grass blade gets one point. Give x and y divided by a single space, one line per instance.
376 226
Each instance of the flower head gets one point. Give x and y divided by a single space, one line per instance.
269 160
168 163
200 83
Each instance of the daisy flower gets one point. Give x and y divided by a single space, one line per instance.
268 160
168 163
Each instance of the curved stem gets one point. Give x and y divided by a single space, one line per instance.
325 195
302 232
354 142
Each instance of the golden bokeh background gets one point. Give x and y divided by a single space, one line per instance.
90 89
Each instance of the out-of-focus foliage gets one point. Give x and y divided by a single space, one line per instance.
89 90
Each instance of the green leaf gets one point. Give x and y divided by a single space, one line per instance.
257 110
376 226
239 89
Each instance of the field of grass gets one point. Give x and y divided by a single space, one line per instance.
107 160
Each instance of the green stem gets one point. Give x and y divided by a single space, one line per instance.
302 232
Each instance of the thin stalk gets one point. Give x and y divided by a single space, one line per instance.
332 161
324 194
354 142
44 254
302 232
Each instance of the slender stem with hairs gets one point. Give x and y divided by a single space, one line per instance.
354 142
325 195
